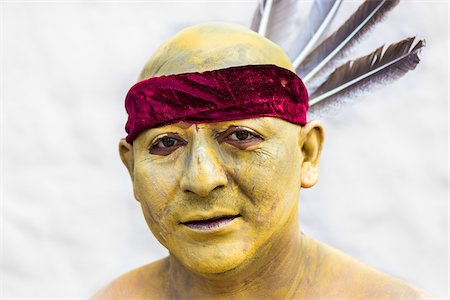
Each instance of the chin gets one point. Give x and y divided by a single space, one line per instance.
212 258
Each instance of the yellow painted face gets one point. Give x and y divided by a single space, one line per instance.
214 193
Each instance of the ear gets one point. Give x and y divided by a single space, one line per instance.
126 155
311 141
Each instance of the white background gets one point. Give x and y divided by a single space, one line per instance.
69 223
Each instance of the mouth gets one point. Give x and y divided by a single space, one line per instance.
211 223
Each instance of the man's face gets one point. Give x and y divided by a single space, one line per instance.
214 193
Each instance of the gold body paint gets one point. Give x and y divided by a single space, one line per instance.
248 172
209 178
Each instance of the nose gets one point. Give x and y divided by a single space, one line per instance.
203 171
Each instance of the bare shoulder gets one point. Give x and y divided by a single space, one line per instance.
144 282
349 279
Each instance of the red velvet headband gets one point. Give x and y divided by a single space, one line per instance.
213 96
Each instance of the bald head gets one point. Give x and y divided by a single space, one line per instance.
213 46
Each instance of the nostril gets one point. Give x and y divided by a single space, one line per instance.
201 192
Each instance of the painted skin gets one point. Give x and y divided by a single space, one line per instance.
223 197
208 173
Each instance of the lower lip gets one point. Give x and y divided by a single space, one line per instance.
210 225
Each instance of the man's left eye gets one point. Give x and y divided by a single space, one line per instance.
243 139
241 135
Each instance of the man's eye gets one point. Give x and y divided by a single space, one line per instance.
166 145
243 139
240 135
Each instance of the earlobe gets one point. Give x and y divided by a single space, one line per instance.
126 155
311 139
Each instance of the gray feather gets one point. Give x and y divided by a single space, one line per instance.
257 16
334 47
265 16
283 21
364 73
320 16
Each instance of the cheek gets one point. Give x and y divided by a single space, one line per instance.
154 181
155 187
270 180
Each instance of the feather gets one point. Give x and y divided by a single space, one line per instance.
257 16
363 19
364 72
265 17
282 23
320 16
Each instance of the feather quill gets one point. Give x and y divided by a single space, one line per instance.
320 16
364 72
282 22
360 22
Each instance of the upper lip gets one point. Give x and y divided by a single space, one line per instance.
208 216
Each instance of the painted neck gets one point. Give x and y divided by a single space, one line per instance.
275 272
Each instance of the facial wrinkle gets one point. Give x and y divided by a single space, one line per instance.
245 192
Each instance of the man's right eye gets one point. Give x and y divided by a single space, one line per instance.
166 145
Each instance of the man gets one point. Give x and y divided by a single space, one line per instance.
218 148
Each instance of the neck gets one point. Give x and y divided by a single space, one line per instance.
275 271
